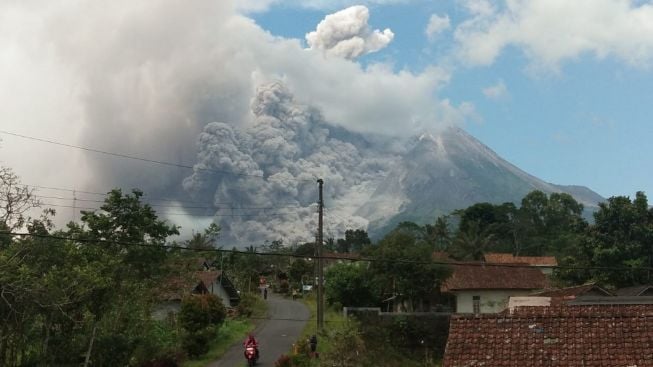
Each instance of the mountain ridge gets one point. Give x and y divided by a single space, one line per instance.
452 170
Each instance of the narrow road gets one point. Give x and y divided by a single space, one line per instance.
275 336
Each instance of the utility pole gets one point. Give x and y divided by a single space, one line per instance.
320 263
74 206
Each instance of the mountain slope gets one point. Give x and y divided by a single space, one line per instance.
448 171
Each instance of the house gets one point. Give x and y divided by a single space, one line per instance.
486 288
176 288
544 263
217 283
332 258
636 291
553 335
589 289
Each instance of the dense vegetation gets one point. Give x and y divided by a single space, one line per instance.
85 295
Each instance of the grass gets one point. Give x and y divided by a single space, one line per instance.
230 332
332 319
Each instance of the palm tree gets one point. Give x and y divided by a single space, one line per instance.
472 243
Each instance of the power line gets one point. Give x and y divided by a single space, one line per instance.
274 214
154 161
328 257
63 189
216 207
230 205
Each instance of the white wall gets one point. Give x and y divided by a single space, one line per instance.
163 309
217 289
492 301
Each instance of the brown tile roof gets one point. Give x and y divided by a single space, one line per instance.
176 287
553 336
440 256
484 276
576 291
208 277
634 290
497 258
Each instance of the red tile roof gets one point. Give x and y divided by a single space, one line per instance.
497 258
616 335
484 276
576 291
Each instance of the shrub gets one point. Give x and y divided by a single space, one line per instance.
283 361
284 287
200 311
249 305
197 343
112 350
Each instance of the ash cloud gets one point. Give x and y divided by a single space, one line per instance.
346 34
145 78
289 145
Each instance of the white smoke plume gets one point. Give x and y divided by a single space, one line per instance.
145 78
347 34
288 146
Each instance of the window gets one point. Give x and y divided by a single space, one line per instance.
476 301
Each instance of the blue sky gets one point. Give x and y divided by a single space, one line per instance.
585 120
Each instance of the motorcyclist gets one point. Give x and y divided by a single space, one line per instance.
251 342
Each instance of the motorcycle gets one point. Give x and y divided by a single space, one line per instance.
251 356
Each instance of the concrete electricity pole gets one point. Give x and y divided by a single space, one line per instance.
320 263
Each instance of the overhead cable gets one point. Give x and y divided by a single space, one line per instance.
331 257
148 160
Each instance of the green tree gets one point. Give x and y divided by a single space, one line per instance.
15 200
622 236
402 271
351 285
354 241
299 269
439 233
206 240
473 242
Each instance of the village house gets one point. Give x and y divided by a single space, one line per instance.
486 288
636 291
551 333
544 263
176 288
585 290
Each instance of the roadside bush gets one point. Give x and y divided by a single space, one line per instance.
299 360
157 345
200 311
112 350
200 316
161 362
283 361
347 347
197 343
284 287
251 304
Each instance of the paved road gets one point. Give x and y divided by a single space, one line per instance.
275 337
